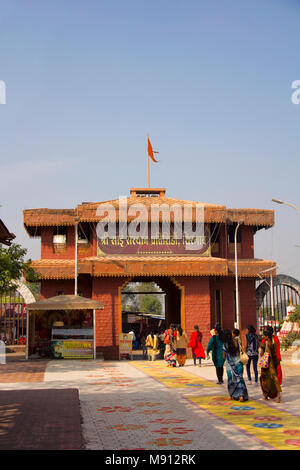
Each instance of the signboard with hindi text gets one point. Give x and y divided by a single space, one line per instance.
125 346
166 244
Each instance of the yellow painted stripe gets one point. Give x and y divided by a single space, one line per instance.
172 377
272 426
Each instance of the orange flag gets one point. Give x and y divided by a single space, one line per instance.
150 150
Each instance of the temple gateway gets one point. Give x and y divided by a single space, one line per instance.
196 274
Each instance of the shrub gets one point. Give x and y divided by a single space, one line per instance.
288 340
295 317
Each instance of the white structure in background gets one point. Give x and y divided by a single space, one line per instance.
290 309
287 325
2 353
25 292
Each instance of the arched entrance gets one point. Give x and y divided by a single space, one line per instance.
25 292
286 290
171 294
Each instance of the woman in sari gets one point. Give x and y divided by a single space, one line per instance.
169 336
152 344
236 385
277 350
181 343
171 357
269 375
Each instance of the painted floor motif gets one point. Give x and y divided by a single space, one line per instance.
173 377
129 405
276 428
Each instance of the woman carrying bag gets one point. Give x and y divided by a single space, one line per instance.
268 362
237 339
236 385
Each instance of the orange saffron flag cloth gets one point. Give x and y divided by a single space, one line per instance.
150 150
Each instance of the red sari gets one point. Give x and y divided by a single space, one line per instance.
196 346
278 355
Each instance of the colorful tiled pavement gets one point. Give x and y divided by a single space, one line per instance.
141 405
276 428
173 377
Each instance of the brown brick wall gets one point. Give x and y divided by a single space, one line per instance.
47 251
199 305
107 320
247 242
247 302
50 287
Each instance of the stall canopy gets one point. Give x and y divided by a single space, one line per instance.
66 302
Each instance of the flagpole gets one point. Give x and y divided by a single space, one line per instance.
148 163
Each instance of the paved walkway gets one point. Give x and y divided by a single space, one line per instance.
40 420
143 405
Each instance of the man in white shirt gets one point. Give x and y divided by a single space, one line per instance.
132 335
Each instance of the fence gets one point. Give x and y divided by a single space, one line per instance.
13 314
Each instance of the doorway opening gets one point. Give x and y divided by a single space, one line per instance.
150 304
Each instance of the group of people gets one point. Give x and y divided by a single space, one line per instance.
227 350
226 347
172 345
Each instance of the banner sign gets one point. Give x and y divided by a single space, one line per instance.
163 245
125 345
69 349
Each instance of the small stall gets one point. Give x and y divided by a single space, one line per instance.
62 327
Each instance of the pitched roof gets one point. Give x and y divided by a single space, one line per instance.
149 266
87 212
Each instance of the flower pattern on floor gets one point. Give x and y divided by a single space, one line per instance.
255 419
181 379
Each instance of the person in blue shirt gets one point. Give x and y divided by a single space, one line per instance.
252 345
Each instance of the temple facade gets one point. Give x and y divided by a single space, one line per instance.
199 281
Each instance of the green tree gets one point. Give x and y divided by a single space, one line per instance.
130 301
147 303
151 304
287 341
295 317
13 267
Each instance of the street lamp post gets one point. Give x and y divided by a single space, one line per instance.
76 254
237 307
278 201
